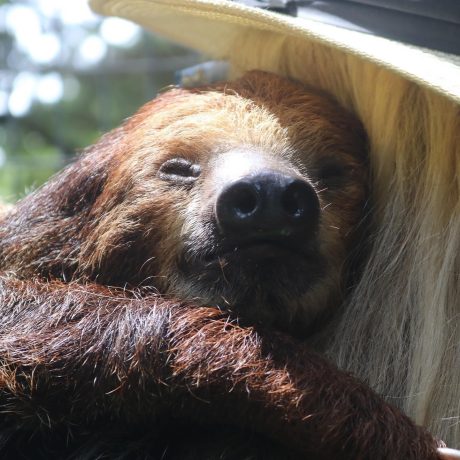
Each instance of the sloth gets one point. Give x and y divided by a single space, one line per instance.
157 296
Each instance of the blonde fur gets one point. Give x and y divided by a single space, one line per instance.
400 331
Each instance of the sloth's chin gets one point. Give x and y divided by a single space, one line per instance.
259 280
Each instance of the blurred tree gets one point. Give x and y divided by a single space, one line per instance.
66 76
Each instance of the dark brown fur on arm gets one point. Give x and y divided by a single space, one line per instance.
86 347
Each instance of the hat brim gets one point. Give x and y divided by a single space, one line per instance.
215 28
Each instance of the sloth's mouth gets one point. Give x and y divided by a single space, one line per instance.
281 266
257 250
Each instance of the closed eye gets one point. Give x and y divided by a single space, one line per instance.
333 173
179 171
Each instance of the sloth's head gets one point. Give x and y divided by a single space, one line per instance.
244 195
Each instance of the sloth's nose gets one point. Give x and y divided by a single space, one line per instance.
268 204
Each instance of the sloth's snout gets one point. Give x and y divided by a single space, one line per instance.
267 204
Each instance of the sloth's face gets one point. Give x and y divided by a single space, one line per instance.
265 235
254 192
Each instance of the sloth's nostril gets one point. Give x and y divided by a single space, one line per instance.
244 200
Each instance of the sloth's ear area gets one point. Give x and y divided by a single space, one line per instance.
77 188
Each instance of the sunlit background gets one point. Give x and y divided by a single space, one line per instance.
66 76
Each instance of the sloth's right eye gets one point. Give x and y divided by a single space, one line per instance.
179 171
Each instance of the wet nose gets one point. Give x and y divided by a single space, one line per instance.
269 203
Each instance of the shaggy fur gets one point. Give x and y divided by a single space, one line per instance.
97 359
400 330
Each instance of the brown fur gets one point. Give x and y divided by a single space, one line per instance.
78 355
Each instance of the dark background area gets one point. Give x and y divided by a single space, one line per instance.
67 76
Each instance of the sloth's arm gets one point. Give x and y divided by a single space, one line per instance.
67 350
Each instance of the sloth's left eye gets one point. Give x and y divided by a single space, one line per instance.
333 173
179 171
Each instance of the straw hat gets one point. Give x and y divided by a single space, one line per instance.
408 99
215 27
